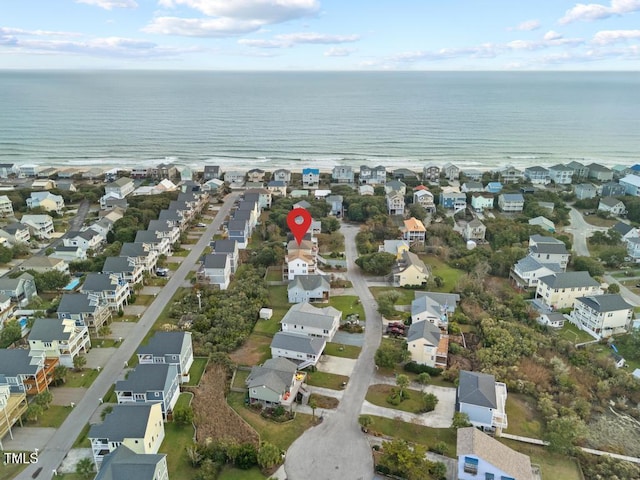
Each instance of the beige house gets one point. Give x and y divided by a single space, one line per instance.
12 407
474 230
560 290
136 426
409 270
47 201
602 315
44 264
6 206
427 344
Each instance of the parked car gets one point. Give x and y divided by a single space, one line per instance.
162 272
201 225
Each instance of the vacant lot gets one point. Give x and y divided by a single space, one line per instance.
523 416
378 394
406 296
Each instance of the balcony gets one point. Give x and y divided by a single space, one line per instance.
499 415
39 383
287 399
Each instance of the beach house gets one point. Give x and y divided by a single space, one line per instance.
560 290
483 400
602 315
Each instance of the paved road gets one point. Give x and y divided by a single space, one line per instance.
624 291
74 225
51 457
581 230
337 448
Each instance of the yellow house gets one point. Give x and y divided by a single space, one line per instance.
12 407
63 339
137 426
410 270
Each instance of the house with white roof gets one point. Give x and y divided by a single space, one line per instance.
631 183
602 315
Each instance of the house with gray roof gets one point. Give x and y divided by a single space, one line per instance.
548 250
585 190
480 456
63 339
86 308
579 170
275 382
211 172
537 175
301 349
40 226
526 272
26 371
613 189
602 315
626 231
600 172
560 290
373 175
159 243
138 427
427 345
612 206
21 289
510 202
125 268
305 319
109 288
15 233
409 270
151 383
163 228
86 239
335 203
471 186
216 270
68 254
434 307
308 288
342 174
125 464
561 174
142 253
282 175
230 248
483 399
175 348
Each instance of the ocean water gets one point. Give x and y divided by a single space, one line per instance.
297 119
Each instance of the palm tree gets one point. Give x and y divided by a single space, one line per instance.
313 405
365 421
79 362
84 468
60 373
424 379
33 412
402 381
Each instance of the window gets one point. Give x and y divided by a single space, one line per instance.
489 476
471 465
47 344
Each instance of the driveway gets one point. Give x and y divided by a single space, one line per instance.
98 357
64 396
337 365
581 230
337 447
28 439
346 338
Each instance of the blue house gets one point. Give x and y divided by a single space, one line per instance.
493 187
310 177
453 200
151 383
239 231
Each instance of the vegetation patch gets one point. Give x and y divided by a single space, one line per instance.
524 418
413 432
323 401
239 380
385 396
348 305
558 467
197 370
82 379
341 350
327 380
176 441
405 295
573 334
255 350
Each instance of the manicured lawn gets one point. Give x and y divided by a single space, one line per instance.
348 304
340 350
82 441
81 379
377 394
184 399
181 253
326 380
145 300
415 433
230 473
267 327
280 434
176 440
574 334
523 416
104 342
196 370
51 417
274 274
240 378
173 265
440 269
278 301
406 295
557 467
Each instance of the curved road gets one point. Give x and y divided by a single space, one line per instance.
581 230
337 448
62 441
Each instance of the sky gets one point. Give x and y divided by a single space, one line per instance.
320 34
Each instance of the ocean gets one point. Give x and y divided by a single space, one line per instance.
296 119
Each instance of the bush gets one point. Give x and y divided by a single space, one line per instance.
413 367
440 448
394 399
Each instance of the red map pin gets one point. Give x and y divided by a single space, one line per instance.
299 221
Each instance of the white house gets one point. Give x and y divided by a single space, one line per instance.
216 269
16 232
373 176
413 231
63 339
342 174
510 202
434 307
86 239
474 230
612 205
120 187
109 288
6 206
301 349
41 226
602 315
526 272
229 248
427 345
299 262
548 250
482 201
560 290
543 222
281 175
537 175
305 319
561 174
310 177
424 197
483 400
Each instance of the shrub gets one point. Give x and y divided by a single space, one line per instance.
440 448
394 399
413 367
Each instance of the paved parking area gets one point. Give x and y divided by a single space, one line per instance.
150 290
121 329
98 357
355 339
28 438
337 365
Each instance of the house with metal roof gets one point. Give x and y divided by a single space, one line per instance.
307 320
123 463
602 315
480 456
309 288
86 308
138 427
560 290
301 349
276 382
64 339
175 348
427 345
483 399
151 383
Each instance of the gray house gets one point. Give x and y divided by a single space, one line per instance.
335 201
342 174
211 172
124 463
228 247
174 348
216 269
151 383
86 308
600 172
20 290
308 288
275 382
613 189
585 190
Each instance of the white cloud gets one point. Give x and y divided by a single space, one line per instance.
265 11
290 39
36 33
597 11
606 37
551 35
526 26
110 4
338 52
201 27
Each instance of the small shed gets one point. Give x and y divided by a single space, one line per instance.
266 313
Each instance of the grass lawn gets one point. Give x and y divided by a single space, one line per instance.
406 296
596 221
145 300
240 378
274 274
280 434
278 301
340 350
181 253
51 417
110 396
327 380
415 433
81 379
173 266
104 342
377 394
82 441
177 438
440 269
255 350
196 370
348 304
392 372
574 334
267 327
157 281
524 418
558 467
629 353
12 470
184 399
230 473
626 273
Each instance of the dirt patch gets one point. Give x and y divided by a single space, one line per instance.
616 433
322 401
214 418
252 351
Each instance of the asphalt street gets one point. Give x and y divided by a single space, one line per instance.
581 230
337 448
51 457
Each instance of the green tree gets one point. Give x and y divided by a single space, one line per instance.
389 354
6 254
591 265
60 373
613 288
402 381
106 411
79 361
104 331
460 420
378 263
34 411
423 379
51 280
563 433
10 333
183 415
365 421
43 399
313 405
268 456
429 402
613 256
84 468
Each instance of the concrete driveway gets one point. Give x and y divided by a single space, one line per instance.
28 438
66 395
346 338
150 290
337 365
98 357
